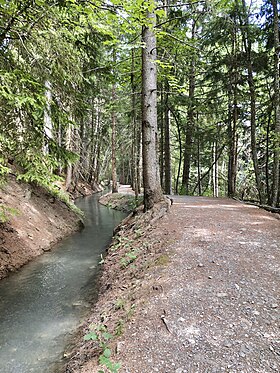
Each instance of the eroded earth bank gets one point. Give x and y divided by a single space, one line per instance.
36 222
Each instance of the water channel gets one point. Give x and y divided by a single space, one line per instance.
45 301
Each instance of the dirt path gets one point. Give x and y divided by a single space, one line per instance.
215 308
213 305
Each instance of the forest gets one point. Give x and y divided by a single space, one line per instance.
182 94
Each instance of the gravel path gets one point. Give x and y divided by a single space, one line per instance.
215 307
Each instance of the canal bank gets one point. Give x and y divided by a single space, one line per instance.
31 222
46 300
137 250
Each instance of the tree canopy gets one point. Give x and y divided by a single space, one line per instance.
74 89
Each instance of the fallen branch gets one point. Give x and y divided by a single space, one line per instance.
275 210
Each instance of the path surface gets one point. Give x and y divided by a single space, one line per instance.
215 307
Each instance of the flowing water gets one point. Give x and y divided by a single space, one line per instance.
45 301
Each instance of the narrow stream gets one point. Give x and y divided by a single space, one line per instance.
45 301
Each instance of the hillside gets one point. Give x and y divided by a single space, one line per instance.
37 222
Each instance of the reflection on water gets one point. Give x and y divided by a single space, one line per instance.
47 298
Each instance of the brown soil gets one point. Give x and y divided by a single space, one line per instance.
201 294
41 221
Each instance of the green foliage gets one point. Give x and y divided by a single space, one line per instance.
71 44
119 327
129 257
130 311
37 168
46 51
99 333
105 360
64 197
4 170
133 202
6 213
20 90
121 241
119 305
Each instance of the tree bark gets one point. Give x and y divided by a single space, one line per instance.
232 117
69 170
251 82
198 168
114 166
151 178
218 155
137 132
190 122
276 159
167 154
48 126
161 131
232 164
135 145
215 170
180 150
267 157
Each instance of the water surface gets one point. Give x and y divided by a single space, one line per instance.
46 299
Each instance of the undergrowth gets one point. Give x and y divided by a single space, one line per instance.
49 184
100 334
64 197
6 213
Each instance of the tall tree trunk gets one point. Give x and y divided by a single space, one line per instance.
166 164
191 120
267 157
161 145
230 190
97 167
59 138
114 165
180 150
276 159
95 142
151 178
253 126
69 165
198 167
248 50
202 177
76 147
232 117
215 172
139 157
84 151
232 150
48 126
135 145
167 154
93 139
